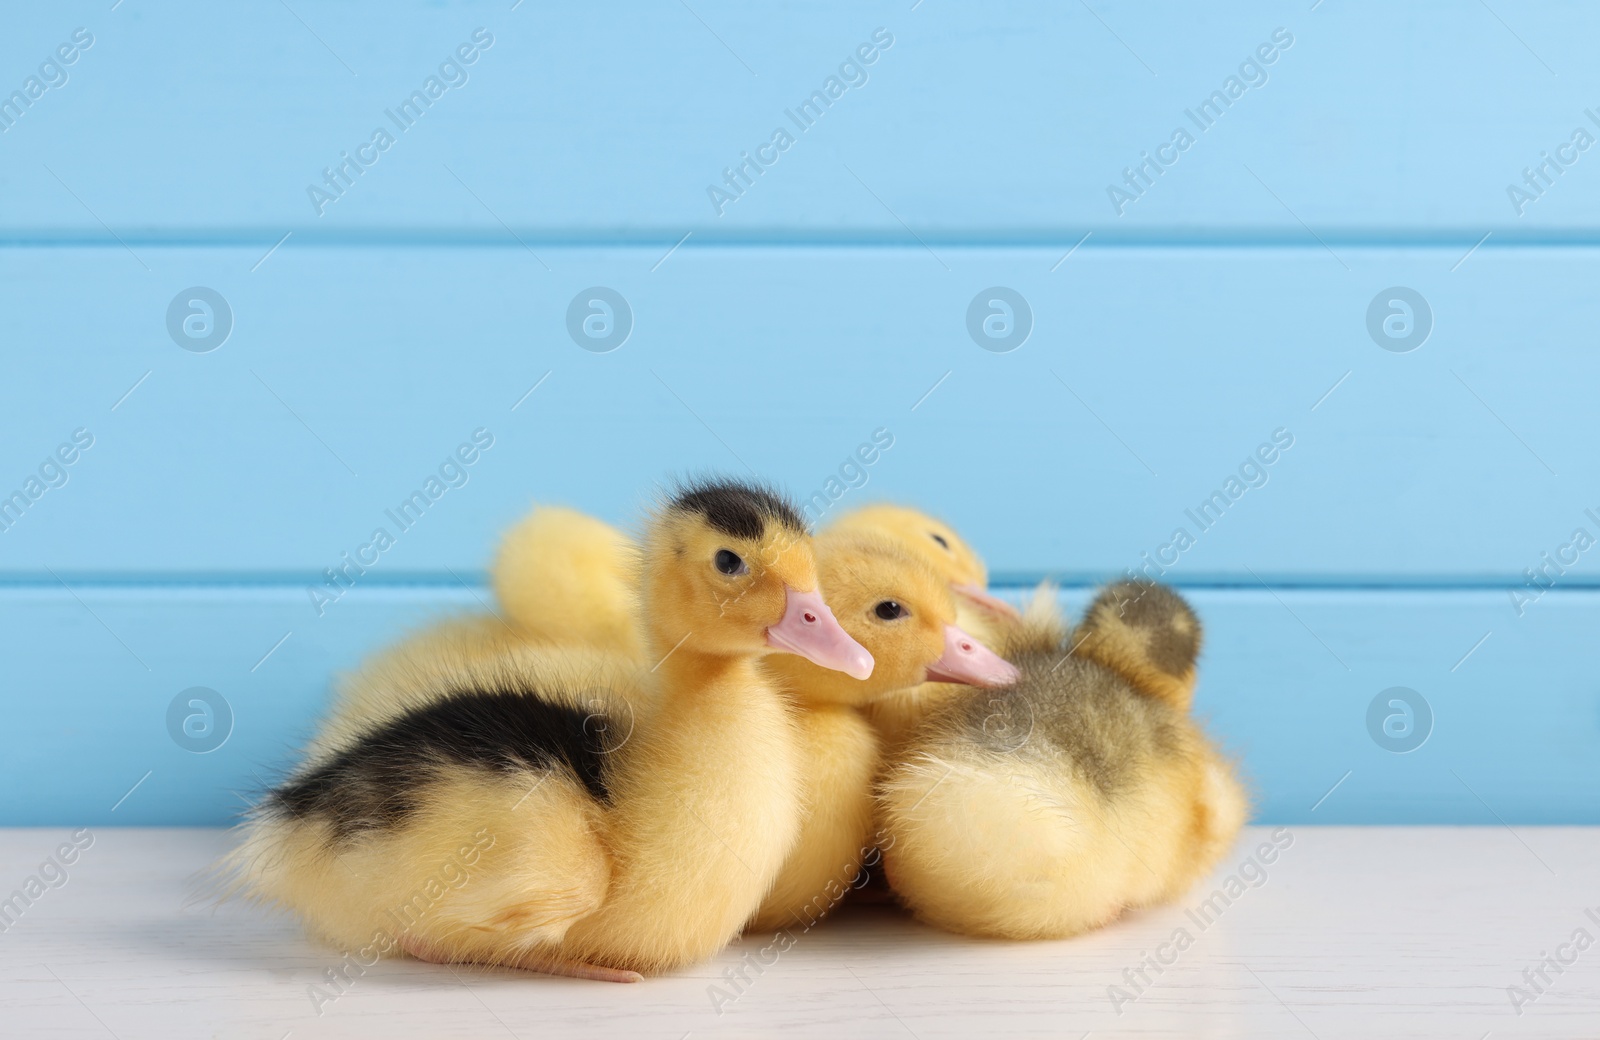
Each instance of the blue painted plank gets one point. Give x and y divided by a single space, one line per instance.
1151 378
1008 122
1288 679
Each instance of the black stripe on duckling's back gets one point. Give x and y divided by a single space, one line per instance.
374 783
738 507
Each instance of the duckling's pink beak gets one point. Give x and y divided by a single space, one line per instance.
968 661
981 596
808 628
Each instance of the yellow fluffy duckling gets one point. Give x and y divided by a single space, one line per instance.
904 614
498 814
949 554
993 620
1086 789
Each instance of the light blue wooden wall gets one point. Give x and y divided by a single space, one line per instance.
1171 334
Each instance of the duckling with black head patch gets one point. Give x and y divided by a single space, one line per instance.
600 855
887 596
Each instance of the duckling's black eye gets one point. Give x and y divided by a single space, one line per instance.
889 610
940 539
729 563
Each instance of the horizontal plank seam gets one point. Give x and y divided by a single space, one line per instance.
656 239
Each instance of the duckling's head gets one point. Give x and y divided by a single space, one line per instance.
937 544
900 609
730 569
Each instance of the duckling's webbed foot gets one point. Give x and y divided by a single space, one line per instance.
577 969
540 963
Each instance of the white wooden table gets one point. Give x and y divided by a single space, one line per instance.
1355 932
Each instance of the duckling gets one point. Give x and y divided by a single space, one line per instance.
564 577
1050 807
990 618
904 613
888 597
495 814
935 541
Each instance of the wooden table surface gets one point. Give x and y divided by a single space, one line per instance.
1350 932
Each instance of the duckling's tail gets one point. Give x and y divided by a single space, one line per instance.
1147 634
